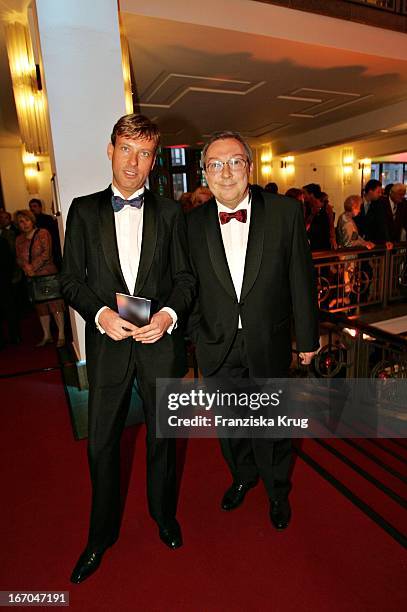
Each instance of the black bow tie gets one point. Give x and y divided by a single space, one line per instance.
118 203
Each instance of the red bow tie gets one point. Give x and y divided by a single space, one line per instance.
239 215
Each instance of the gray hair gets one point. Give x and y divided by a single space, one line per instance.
224 136
398 187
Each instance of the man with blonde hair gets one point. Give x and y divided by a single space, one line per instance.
128 240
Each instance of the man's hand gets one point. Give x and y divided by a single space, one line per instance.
370 245
155 330
306 358
114 326
28 269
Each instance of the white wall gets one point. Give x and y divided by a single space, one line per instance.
82 66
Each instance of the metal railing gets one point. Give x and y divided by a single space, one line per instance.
387 14
391 6
356 278
352 349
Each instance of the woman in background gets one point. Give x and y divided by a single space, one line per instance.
346 229
39 264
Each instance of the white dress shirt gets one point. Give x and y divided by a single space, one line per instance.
366 206
394 212
393 206
235 235
129 234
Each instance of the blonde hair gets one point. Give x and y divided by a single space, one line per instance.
25 213
349 202
136 126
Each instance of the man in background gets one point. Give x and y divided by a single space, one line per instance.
371 221
12 279
319 219
395 206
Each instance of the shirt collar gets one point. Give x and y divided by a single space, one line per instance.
244 204
116 192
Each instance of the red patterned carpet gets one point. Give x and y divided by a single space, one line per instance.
334 556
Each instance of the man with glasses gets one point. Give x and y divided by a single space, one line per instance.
251 258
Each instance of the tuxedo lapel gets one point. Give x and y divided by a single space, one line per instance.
216 248
109 239
149 240
255 242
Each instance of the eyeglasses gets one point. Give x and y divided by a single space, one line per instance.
236 164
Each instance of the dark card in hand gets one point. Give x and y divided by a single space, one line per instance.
134 309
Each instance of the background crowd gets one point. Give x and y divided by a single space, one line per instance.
29 249
30 244
378 217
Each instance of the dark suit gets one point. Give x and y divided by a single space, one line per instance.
372 225
395 223
278 282
91 276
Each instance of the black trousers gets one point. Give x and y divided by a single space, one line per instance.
251 458
108 409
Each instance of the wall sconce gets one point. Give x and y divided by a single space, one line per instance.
31 169
287 164
27 87
128 93
266 163
347 165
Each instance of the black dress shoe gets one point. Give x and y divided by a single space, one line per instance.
280 513
171 535
87 564
235 495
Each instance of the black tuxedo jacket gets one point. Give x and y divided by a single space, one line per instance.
278 282
91 276
373 225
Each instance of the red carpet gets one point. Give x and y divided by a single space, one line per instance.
27 356
389 509
333 557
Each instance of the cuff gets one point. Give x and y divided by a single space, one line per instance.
102 331
173 316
